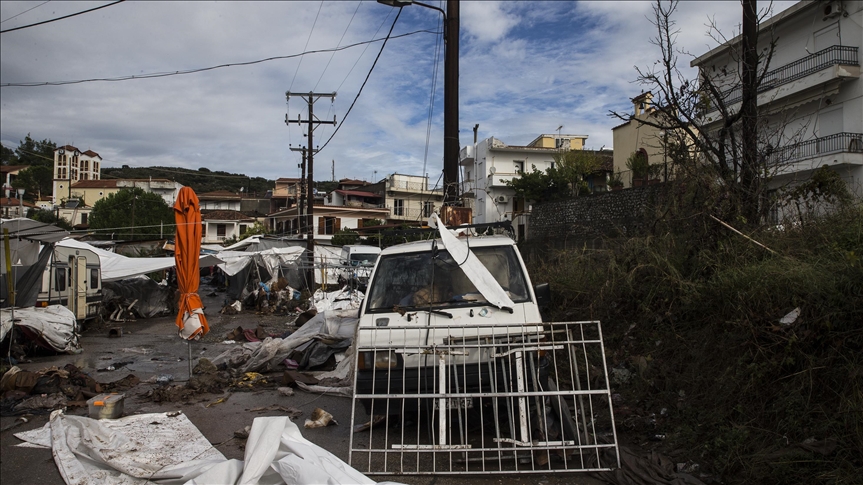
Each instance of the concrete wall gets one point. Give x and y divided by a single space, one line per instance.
623 213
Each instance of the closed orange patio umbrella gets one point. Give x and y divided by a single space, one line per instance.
187 213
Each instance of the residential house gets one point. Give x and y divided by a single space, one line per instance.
353 193
634 138
810 102
91 191
72 165
326 220
76 213
9 173
12 207
222 217
495 163
408 198
286 194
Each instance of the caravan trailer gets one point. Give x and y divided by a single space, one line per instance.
73 278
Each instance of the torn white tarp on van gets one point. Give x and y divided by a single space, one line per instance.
473 268
116 266
30 249
55 325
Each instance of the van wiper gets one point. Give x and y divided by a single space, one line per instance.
405 309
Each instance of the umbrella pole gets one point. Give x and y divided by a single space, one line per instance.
189 342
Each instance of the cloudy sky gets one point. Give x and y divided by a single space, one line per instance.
526 68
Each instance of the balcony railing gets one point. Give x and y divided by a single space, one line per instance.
825 145
837 55
409 213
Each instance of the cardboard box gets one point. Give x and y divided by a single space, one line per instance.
106 406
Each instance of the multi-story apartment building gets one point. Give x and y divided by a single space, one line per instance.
485 175
72 165
408 198
810 101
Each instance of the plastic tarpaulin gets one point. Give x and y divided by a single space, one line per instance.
55 325
187 213
473 268
166 448
117 267
235 261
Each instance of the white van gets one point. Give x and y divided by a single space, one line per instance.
73 279
419 299
357 261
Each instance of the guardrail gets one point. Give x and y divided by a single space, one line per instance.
825 145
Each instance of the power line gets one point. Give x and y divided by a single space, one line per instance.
60 18
340 43
307 44
22 13
364 81
193 71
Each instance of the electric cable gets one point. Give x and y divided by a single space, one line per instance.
22 13
348 112
307 45
337 45
60 18
203 69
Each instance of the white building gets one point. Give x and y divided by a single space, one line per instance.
408 198
70 166
485 175
811 99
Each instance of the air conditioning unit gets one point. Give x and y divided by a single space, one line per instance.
501 199
832 10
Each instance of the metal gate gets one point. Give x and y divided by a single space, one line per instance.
482 399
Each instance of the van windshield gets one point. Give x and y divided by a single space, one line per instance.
421 279
362 259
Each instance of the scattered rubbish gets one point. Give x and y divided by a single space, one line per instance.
619 375
286 391
687 467
106 406
218 401
291 364
204 366
18 421
164 379
320 419
791 317
242 433
42 402
291 377
115 366
137 350
334 390
115 332
292 412
250 380
305 317
376 420
657 437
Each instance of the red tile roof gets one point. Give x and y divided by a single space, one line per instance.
95 184
10 202
224 215
12 168
359 193
219 194
67 148
91 153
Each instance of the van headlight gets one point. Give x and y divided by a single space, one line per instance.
381 359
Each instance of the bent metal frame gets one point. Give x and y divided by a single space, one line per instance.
512 399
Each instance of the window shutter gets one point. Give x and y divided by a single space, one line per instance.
322 225
337 226
359 223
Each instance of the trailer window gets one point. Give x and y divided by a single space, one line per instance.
94 278
60 278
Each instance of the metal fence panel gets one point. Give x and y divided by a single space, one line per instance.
482 399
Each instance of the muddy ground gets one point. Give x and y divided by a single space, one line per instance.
151 348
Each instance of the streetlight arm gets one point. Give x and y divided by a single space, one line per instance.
407 3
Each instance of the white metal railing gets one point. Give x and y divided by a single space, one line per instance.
510 399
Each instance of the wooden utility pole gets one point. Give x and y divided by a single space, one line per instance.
313 122
450 96
749 112
301 220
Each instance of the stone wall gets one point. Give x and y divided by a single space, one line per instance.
622 213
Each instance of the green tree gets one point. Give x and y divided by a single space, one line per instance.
572 167
345 236
33 152
131 214
49 217
255 229
37 180
7 156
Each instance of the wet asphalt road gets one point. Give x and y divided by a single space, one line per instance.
153 348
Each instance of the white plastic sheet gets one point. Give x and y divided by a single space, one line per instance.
56 325
166 448
116 266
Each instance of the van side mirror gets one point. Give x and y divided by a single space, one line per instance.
543 296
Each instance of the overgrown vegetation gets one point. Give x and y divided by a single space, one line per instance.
694 313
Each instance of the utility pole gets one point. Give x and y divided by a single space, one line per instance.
310 98
302 198
749 112
450 95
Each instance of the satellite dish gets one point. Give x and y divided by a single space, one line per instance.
492 170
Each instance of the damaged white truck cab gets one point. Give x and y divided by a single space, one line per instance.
426 297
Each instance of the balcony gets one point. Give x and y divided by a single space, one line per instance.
465 155
840 143
835 63
408 214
